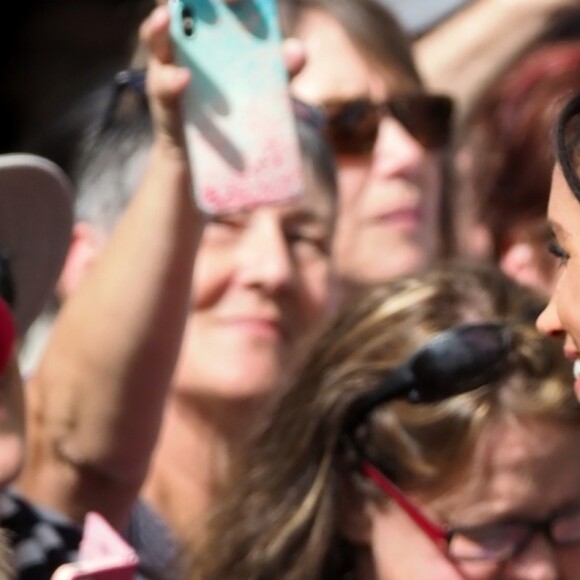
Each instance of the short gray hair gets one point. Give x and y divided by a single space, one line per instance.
109 167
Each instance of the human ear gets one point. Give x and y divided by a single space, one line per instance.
86 244
519 260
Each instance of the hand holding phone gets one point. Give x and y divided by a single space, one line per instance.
239 124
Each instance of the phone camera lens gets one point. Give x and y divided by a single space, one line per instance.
188 21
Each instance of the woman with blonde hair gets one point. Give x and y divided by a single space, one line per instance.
430 433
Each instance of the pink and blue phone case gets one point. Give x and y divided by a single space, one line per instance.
238 116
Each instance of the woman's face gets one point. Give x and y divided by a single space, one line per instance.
522 471
389 198
262 280
562 315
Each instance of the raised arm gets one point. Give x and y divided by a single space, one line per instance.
466 51
96 401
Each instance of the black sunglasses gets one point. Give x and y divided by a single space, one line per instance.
352 126
456 361
127 96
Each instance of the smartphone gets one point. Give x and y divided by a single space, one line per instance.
239 125
103 554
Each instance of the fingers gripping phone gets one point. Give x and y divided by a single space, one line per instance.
239 124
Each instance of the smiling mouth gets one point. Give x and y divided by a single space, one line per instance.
408 217
262 327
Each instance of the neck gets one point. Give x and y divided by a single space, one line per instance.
193 455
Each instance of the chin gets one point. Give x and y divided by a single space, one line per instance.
243 377
253 382
387 265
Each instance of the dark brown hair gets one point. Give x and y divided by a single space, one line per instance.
508 139
370 26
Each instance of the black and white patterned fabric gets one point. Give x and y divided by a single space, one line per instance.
41 540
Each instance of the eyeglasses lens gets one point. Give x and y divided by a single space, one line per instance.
352 127
491 543
565 529
426 118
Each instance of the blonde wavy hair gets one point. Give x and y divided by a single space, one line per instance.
280 516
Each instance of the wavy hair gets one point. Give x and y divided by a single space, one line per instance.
371 27
280 517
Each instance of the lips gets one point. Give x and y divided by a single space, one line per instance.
408 217
403 213
267 327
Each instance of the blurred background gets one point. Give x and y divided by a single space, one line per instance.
55 53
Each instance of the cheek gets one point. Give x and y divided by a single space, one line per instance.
432 184
212 272
352 177
401 551
567 292
316 285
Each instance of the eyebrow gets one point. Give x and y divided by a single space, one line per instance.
557 228
308 217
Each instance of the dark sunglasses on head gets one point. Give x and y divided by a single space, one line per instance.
352 126
127 96
456 361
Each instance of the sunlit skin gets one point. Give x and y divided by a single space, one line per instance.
525 258
512 476
389 199
562 315
261 283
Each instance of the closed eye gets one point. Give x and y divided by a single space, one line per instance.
319 242
558 251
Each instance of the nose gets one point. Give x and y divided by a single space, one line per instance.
264 258
396 151
548 323
538 561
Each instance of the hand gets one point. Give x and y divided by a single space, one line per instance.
166 82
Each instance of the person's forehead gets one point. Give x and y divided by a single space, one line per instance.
335 67
313 204
513 474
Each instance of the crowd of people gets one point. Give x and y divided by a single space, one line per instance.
377 380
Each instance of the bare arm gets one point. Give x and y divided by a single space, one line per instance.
465 52
96 401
